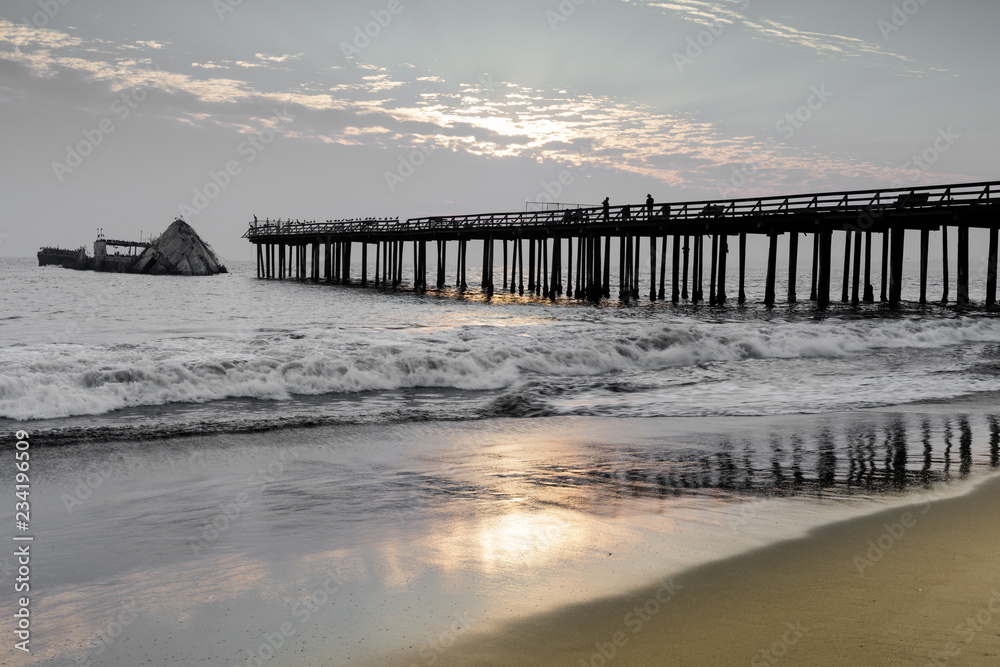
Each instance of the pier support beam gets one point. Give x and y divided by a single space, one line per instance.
606 281
598 287
555 282
695 257
699 263
504 264
337 261
886 242
422 258
543 278
991 269
721 297
772 269
856 277
793 266
347 262
569 268
743 269
898 239
520 267
714 272
814 288
963 265
328 260
869 288
531 265
621 268
846 294
945 278
488 267
663 269
824 265
463 257
652 268
675 294
687 253
442 258
635 267
397 264
925 236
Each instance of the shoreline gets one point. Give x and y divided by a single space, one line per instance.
914 584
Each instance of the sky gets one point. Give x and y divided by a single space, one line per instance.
123 115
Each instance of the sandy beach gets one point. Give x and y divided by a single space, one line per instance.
913 585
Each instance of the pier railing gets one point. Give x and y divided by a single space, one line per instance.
833 205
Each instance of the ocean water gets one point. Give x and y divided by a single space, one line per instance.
231 352
211 448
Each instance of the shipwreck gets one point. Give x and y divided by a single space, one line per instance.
178 251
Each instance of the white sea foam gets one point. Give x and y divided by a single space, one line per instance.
56 380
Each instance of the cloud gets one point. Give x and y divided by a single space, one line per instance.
731 12
395 108
288 57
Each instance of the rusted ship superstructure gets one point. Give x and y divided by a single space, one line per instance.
178 251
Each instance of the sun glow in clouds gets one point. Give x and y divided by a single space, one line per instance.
397 108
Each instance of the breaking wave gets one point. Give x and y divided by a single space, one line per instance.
54 381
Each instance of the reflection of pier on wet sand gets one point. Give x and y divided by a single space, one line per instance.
863 453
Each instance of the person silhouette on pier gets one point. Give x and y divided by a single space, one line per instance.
606 208
649 206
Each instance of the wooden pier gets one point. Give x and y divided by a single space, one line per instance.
570 253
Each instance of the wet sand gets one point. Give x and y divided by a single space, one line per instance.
524 534
912 585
